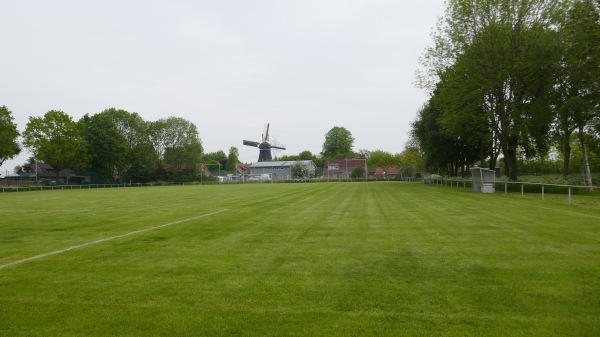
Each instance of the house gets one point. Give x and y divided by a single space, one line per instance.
342 168
42 171
278 170
37 171
242 168
389 172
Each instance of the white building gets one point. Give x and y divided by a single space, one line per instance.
278 170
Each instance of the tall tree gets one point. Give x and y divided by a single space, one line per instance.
55 139
465 117
232 159
439 150
9 147
509 48
578 84
107 149
140 160
338 143
157 135
182 146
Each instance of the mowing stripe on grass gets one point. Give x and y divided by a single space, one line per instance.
566 212
107 239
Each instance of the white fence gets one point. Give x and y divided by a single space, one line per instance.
504 185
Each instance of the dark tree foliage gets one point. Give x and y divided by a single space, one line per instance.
107 148
577 88
9 146
358 172
493 65
439 150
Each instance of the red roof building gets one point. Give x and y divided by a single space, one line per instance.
387 172
342 168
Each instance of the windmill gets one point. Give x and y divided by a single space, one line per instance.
264 146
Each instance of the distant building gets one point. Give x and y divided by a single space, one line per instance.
277 170
390 172
242 168
342 168
41 171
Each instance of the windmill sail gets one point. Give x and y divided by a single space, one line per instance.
264 146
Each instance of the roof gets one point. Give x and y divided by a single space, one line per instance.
351 161
391 170
280 163
240 168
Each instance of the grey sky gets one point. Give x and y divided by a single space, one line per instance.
229 67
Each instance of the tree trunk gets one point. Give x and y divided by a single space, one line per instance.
510 159
567 154
586 175
511 163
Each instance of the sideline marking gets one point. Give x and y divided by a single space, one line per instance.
106 239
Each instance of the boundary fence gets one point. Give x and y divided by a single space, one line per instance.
513 187
79 187
522 187
34 187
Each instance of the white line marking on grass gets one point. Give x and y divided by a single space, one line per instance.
107 239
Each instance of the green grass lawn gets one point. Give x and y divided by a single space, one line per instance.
323 259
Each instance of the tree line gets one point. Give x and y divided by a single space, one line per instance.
117 144
511 80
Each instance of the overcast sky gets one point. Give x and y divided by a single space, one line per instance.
229 67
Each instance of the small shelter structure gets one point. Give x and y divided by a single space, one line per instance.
484 180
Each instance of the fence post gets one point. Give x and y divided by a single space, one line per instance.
542 191
505 188
522 189
569 196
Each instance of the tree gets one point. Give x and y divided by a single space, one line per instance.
385 160
301 170
9 147
464 118
140 160
440 151
157 135
107 149
357 172
578 88
55 139
338 143
182 146
232 159
364 153
215 161
306 155
412 156
507 51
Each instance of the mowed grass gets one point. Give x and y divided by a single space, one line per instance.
336 259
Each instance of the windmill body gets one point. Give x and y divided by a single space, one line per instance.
264 146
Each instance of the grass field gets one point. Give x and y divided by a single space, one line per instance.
323 259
